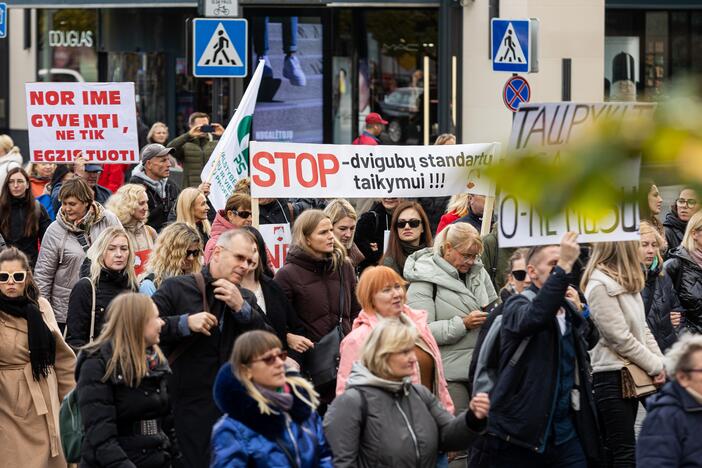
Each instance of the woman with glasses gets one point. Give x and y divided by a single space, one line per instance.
686 205
191 209
671 430
270 417
23 221
236 214
450 283
684 267
36 369
111 273
122 391
516 274
410 232
178 251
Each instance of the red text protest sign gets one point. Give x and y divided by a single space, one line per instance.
330 171
95 120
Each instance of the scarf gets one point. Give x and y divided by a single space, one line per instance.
281 399
42 344
152 358
696 255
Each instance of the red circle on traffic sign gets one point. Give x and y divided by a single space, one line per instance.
516 91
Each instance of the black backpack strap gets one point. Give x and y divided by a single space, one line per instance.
530 295
364 413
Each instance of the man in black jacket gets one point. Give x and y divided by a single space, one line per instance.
542 411
198 341
153 174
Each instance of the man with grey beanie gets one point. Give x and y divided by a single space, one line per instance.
153 173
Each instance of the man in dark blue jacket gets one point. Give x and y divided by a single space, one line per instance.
542 412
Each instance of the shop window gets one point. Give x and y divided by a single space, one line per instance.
656 58
67 45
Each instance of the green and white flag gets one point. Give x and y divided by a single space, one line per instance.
229 161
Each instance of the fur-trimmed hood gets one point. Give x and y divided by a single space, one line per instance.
231 398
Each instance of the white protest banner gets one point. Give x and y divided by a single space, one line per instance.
545 128
277 238
97 120
331 171
230 158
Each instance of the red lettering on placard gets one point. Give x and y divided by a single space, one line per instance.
298 167
285 157
321 166
58 120
258 158
51 98
325 170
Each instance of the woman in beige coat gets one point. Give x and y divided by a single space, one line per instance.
613 280
36 370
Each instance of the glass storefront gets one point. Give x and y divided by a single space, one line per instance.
67 45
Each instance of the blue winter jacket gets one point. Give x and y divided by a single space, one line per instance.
670 436
244 437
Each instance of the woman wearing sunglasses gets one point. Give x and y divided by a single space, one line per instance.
236 214
517 278
410 232
122 391
686 205
131 205
111 273
36 369
178 251
269 414
23 221
450 283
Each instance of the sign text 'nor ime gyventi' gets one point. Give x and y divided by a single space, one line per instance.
95 120
330 171
545 128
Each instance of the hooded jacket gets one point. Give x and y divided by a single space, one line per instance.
244 437
220 225
670 436
674 231
621 321
454 300
61 256
686 276
420 426
313 289
352 345
162 196
660 299
111 412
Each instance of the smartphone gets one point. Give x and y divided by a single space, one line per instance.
491 306
207 129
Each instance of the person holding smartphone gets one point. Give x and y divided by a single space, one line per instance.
194 148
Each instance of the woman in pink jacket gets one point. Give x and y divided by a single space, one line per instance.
381 293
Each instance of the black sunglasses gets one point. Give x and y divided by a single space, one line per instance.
17 277
519 275
192 253
413 223
242 214
270 359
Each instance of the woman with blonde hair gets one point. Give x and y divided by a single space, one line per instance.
457 208
450 283
383 419
192 209
178 251
344 219
612 281
111 273
10 156
269 413
131 206
39 177
122 390
684 266
661 303
317 272
36 369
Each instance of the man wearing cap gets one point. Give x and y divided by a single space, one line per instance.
374 127
90 173
153 174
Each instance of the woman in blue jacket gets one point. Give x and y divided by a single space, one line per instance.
670 436
270 418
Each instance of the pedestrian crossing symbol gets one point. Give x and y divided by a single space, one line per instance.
219 48
512 45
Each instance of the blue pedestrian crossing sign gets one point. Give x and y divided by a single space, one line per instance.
3 20
220 48
513 45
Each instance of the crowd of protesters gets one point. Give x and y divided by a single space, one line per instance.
398 336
